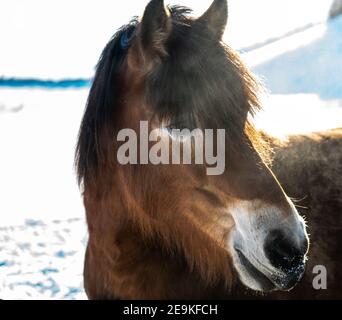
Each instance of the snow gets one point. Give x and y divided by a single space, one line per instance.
283 115
303 75
42 229
37 152
63 39
43 261
314 66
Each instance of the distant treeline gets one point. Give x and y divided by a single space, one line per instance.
48 84
336 9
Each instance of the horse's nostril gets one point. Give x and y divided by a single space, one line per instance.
282 252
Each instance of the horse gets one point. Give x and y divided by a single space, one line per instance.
309 167
173 231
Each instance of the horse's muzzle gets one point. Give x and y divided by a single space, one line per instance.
268 248
286 255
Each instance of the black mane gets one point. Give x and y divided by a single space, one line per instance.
101 102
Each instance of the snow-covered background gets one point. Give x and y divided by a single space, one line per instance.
61 39
289 44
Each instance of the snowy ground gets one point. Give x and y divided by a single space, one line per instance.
283 115
37 152
42 261
42 228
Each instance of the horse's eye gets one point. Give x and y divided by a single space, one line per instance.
181 125
126 38
180 131
177 126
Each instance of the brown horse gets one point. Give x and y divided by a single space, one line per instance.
173 231
310 169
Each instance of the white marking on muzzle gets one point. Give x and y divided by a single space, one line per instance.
253 222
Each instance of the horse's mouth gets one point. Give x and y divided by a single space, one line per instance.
263 281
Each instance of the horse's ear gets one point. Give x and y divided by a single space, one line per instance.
216 17
154 31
